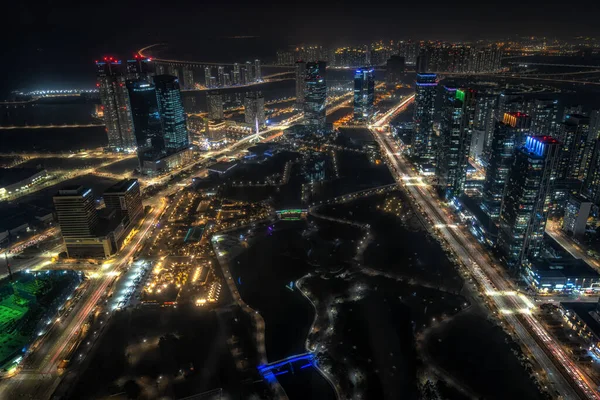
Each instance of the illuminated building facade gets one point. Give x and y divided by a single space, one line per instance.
171 112
300 69
254 110
207 77
576 148
591 185
139 68
544 115
455 140
422 138
115 103
147 124
315 95
214 99
525 204
126 199
188 77
364 95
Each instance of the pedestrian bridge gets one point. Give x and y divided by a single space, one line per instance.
270 371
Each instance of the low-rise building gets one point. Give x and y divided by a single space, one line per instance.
561 275
16 180
577 211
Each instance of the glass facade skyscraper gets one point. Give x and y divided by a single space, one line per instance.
147 123
171 112
527 199
364 95
422 139
315 95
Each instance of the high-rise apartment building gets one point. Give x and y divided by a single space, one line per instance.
394 70
502 150
455 140
188 77
173 70
364 95
254 110
258 73
300 83
147 123
214 99
125 199
591 185
526 200
249 73
315 95
171 113
577 148
115 105
236 74
207 77
139 68
425 93
221 75
544 115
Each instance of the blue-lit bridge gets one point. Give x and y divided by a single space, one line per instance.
270 371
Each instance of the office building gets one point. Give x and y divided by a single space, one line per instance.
425 93
521 125
577 211
236 74
115 104
394 70
577 148
315 95
188 78
484 120
502 150
207 77
364 95
147 124
171 112
455 140
139 68
214 98
254 110
300 83
79 222
258 73
125 199
563 275
544 115
526 200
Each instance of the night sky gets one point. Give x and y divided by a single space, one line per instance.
54 43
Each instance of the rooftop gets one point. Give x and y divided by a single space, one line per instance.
222 166
10 176
570 268
582 310
121 187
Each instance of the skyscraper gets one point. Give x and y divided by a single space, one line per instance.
576 149
258 73
591 185
502 151
544 114
394 70
254 110
526 200
300 83
139 68
315 95
236 74
207 76
77 217
221 75
422 138
173 70
147 124
249 74
364 95
171 113
188 77
215 105
125 199
115 103
455 141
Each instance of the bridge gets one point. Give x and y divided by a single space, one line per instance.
354 195
525 63
270 371
51 126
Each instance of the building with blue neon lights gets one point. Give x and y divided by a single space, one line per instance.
364 95
526 200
